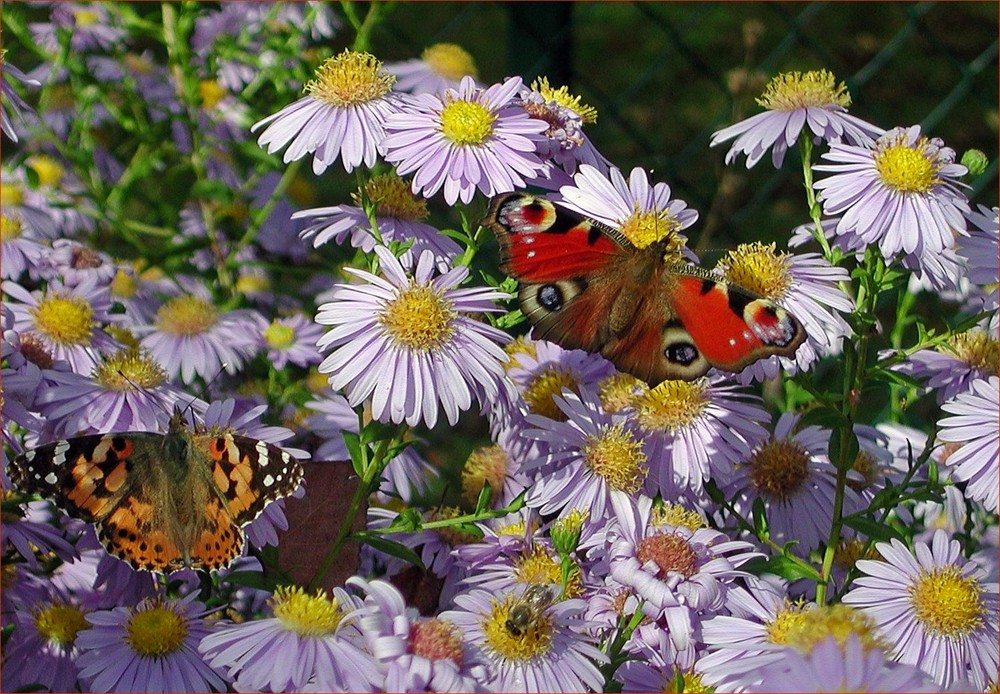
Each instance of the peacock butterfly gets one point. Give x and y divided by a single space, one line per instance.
584 286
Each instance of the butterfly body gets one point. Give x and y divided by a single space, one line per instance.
584 286
162 501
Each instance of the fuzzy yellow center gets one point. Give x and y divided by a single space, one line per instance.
124 284
11 194
419 319
671 552
548 382
129 369
539 568
779 468
251 284
393 199
978 350
514 348
279 336
437 639
787 620
350 79
789 91
454 535
59 623
839 621
156 631
571 522
86 18
672 405
759 268
466 123
947 603
644 227
304 614
588 114
677 516
849 551
450 60
619 391
485 464
65 319
534 641
617 456
904 167
49 171
11 227
211 93
186 315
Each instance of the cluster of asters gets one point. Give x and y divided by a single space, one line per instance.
626 558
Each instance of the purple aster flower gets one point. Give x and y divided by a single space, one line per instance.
191 337
590 459
934 607
832 667
152 647
981 251
973 425
794 100
551 654
13 104
642 213
35 534
465 140
342 115
91 27
901 195
126 391
953 368
65 320
74 262
678 572
807 286
310 640
795 480
408 343
440 67
416 654
22 252
292 339
566 145
399 216
43 650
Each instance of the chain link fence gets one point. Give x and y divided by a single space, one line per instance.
664 76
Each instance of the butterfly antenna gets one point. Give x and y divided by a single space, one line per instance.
203 392
143 389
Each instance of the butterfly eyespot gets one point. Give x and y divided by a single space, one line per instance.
550 297
681 353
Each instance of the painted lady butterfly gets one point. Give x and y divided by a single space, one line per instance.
162 501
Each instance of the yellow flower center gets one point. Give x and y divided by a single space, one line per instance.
588 114
534 641
124 284
393 199
671 552
279 336
59 623
538 568
839 621
672 405
11 194
450 61
186 315
978 350
65 319
644 227
454 535
617 456
759 268
156 631
419 319
866 466
304 614
789 91
787 620
548 382
947 603
779 468
517 347
350 79
619 391
677 516
129 369
211 93
86 18
466 123
11 227
571 522
124 336
905 167
848 552
485 464
48 170
437 639
251 284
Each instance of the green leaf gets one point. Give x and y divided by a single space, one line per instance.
784 567
485 496
254 579
876 531
357 451
392 548
378 431
759 518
